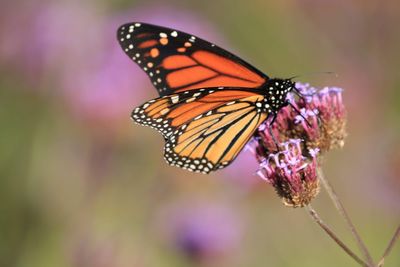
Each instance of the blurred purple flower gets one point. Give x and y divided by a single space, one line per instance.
203 232
72 46
110 89
87 250
46 37
238 172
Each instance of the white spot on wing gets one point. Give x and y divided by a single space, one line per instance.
175 99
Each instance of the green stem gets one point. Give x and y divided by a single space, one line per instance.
389 247
339 206
335 238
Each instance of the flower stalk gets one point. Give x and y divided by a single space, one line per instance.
389 247
339 206
335 238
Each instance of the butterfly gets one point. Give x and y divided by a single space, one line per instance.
210 101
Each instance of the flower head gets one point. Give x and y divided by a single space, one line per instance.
327 117
318 118
311 125
292 174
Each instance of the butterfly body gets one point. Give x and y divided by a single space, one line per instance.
211 102
275 92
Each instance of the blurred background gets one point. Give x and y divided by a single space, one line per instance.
81 185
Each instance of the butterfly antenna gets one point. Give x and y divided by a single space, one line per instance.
314 73
300 94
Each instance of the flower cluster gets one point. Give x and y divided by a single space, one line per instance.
318 118
293 176
311 125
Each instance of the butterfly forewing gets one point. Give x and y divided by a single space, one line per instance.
176 61
204 129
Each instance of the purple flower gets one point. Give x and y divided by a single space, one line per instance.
292 175
318 118
325 115
312 125
202 231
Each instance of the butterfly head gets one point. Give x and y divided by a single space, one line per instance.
276 93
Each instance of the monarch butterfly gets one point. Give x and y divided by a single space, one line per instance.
211 102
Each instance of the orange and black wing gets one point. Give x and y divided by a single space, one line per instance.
176 61
204 129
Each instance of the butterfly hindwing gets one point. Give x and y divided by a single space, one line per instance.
176 61
204 129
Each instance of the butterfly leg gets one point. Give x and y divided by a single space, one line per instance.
298 111
271 133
